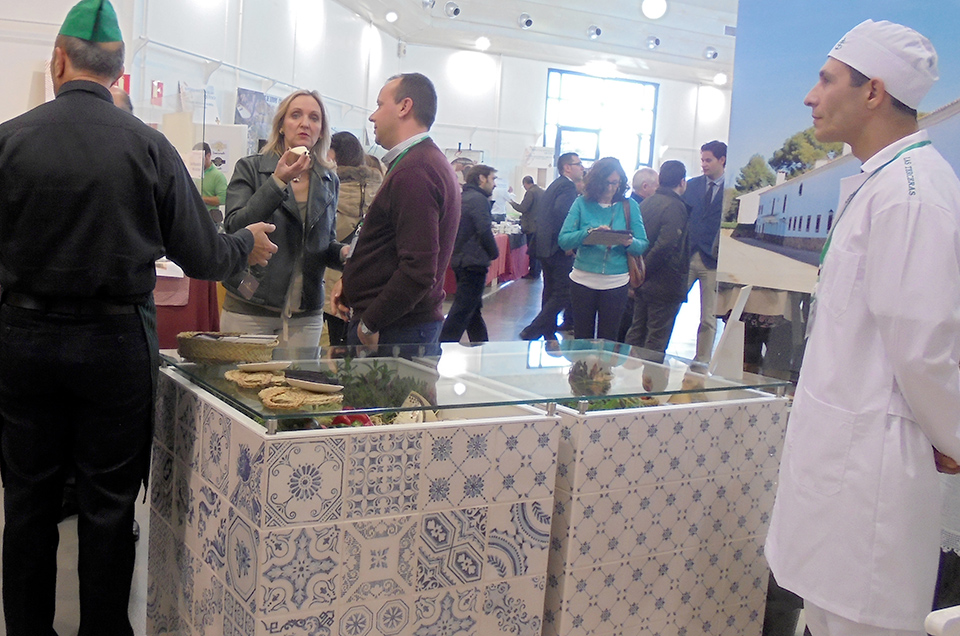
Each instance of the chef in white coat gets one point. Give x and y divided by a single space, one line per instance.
855 526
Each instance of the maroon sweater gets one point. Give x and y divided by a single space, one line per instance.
395 276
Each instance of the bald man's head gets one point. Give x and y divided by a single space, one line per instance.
121 99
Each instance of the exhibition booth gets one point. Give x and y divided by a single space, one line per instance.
509 488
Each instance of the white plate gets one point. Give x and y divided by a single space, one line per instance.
316 387
275 365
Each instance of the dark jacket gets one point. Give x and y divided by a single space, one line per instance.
90 197
475 245
704 220
668 259
395 276
528 209
551 213
253 195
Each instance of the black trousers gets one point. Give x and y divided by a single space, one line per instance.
597 312
465 312
653 322
75 392
556 293
534 261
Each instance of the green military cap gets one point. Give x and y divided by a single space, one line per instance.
92 20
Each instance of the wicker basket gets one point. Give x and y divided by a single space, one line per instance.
203 350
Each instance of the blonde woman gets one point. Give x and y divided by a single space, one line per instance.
296 191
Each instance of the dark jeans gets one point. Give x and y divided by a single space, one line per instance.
418 340
465 312
626 319
75 393
653 322
556 294
596 312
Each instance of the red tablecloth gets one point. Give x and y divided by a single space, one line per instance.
200 313
510 265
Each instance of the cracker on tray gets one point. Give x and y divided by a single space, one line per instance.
254 379
290 398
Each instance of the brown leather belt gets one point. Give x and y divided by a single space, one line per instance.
67 306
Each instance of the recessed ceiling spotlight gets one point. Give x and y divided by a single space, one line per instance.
654 9
710 53
720 79
452 9
525 21
391 16
483 43
429 4
593 31
653 42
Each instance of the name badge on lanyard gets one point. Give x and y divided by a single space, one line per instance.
826 245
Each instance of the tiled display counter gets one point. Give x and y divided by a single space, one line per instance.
660 518
425 529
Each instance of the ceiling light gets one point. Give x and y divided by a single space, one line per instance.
720 79
428 4
653 42
525 21
593 31
452 9
654 9
483 43
391 16
710 53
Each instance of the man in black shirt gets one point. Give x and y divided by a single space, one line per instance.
90 197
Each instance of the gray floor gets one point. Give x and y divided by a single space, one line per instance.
507 309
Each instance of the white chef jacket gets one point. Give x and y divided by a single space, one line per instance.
855 526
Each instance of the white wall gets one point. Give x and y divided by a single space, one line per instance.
491 102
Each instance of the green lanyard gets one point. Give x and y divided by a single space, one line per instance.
826 245
404 154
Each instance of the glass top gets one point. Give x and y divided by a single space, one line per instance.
584 374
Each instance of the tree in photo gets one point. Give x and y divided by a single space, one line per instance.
801 152
754 175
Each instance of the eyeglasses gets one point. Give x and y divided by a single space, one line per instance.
615 184
576 164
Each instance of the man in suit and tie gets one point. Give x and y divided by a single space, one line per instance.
552 210
528 220
704 195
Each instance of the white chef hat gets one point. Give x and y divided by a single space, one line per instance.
905 60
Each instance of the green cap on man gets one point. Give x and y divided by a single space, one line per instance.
92 20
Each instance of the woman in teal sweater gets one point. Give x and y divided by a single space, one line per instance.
600 273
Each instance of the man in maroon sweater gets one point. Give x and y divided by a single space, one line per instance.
392 286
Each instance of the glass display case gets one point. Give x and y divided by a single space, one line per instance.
582 374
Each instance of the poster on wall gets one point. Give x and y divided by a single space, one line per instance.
202 102
787 183
255 110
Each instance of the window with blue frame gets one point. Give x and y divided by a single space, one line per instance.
601 117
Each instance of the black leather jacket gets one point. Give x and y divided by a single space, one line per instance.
252 196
